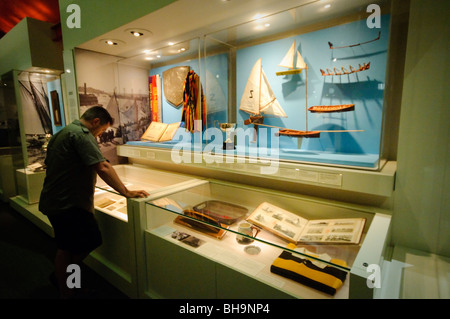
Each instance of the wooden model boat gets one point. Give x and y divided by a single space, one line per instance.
297 133
254 119
223 212
344 71
332 108
203 223
332 47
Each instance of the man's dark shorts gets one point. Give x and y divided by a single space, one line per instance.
76 230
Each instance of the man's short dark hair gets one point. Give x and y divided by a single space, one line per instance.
100 113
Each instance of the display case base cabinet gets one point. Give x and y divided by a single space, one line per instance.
234 285
115 259
175 272
7 186
29 185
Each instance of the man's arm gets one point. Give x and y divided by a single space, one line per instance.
109 175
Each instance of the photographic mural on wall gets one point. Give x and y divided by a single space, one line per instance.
130 112
121 89
36 117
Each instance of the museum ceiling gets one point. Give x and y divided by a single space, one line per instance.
13 11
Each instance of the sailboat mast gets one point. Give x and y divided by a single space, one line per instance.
260 80
306 97
293 56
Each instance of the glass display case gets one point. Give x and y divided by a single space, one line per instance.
305 90
34 110
116 257
279 244
108 201
35 113
303 85
9 136
326 125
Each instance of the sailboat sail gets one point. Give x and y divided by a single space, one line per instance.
258 96
289 61
300 62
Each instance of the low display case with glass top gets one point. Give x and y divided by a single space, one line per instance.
116 257
222 240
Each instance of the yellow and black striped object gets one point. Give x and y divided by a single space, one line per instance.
327 279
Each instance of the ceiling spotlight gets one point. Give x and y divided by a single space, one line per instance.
138 32
112 42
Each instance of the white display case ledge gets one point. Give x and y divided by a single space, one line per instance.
378 183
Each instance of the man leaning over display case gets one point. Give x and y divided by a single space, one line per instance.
73 161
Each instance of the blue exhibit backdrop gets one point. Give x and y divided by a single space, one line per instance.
364 89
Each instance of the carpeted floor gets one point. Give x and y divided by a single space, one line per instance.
26 262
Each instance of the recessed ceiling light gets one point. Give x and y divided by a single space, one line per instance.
258 16
170 43
112 42
138 32
327 6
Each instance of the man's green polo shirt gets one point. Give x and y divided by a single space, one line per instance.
70 176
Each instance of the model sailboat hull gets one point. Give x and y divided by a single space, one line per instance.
254 120
332 108
297 133
289 72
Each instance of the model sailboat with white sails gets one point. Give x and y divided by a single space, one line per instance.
289 62
258 98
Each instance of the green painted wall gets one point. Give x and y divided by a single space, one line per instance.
15 49
100 16
30 44
422 201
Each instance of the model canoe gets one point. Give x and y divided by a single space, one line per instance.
296 133
332 108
